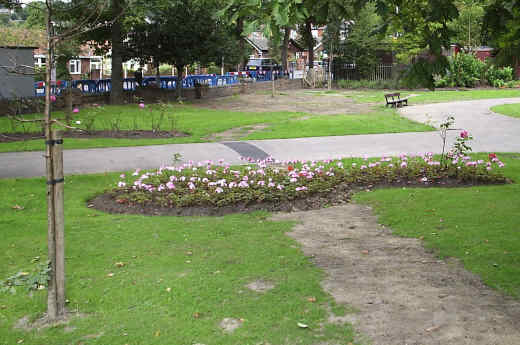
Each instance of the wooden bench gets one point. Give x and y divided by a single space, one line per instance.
395 100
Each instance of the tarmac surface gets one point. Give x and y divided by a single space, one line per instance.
492 133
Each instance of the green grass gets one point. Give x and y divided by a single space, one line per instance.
478 225
508 109
320 125
205 261
423 97
200 123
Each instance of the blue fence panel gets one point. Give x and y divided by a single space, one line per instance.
129 84
103 85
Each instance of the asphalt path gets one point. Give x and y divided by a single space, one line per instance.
492 133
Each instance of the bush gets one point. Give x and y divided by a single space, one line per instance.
464 70
499 77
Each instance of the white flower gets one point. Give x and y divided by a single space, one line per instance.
78 122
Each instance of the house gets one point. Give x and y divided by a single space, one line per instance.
16 72
87 65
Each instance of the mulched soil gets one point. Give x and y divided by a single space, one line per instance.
108 202
137 134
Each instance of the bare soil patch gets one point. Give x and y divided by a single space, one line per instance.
404 294
287 100
236 133
123 134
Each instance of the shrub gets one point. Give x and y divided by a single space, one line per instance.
464 70
499 77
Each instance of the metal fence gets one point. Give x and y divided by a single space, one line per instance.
352 72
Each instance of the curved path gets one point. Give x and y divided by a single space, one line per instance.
492 132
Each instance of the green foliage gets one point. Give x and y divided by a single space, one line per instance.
467 27
464 70
499 76
502 30
358 40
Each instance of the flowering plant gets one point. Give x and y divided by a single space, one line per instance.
218 184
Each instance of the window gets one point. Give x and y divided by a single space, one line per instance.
75 66
39 61
95 64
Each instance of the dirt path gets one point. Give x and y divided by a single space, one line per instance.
405 296
291 100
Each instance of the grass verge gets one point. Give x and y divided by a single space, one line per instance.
508 109
423 97
478 225
200 123
180 276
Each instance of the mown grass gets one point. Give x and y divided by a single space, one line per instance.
423 97
206 262
508 109
478 225
200 124
326 125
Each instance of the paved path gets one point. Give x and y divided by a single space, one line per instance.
492 132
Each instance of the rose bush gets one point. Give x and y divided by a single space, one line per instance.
218 184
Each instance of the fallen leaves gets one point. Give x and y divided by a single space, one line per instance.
17 207
311 299
119 264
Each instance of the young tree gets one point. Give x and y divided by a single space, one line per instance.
56 33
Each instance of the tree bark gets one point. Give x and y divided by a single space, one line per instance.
180 75
310 42
52 310
241 43
116 92
157 74
285 48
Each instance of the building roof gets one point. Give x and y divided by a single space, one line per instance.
261 44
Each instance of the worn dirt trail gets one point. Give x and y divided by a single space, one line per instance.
405 295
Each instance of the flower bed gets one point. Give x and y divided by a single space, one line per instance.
217 188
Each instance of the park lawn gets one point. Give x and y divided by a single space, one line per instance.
206 262
477 225
325 125
423 97
200 123
508 109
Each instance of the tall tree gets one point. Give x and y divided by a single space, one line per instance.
179 38
502 30
422 27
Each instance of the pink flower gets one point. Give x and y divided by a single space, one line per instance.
75 110
219 190
170 185
464 134
53 98
141 105
122 175
121 184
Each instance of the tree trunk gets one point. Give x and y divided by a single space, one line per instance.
116 92
241 43
285 48
180 75
310 42
157 75
52 309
